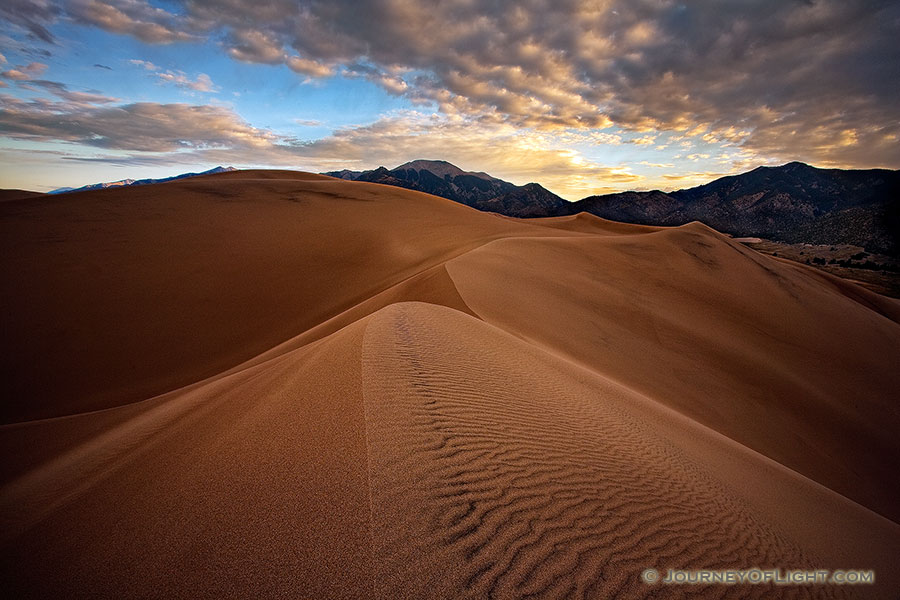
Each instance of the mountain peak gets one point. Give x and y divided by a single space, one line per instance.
796 166
791 166
441 168
478 190
438 167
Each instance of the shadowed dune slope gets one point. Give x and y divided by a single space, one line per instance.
9 195
271 384
250 485
116 295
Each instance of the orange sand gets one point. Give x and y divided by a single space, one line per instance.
268 383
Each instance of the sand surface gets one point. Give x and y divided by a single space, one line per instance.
276 384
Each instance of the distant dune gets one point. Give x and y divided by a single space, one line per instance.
6 195
270 383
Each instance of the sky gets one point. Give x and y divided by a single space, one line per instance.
584 97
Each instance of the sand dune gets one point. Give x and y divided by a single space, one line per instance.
7 195
121 294
260 384
800 367
499 471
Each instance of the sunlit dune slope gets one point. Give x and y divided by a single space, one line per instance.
381 394
796 364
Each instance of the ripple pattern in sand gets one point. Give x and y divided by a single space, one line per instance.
494 474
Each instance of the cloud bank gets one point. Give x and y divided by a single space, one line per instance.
812 80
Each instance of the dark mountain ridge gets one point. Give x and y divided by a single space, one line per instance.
794 203
476 189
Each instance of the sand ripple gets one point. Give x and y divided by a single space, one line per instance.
496 475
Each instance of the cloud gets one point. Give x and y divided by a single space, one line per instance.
32 15
693 176
138 127
99 66
34 68
24 73
790 76
133 17
391 83
671 182
307 67
646 140
15 74
255 47
202 83
60 90
785 77
145 64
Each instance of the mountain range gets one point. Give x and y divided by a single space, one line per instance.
127 182
476 189
793 203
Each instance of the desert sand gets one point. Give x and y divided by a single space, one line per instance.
276 384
